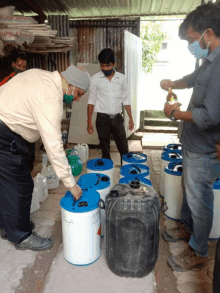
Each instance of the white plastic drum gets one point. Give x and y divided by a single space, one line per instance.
103 166
136 170
167 158
81 228
215 232
100 183
134 158
173 193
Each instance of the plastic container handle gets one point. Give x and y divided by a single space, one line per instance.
136 167
163 207
101 204
99 178
176 165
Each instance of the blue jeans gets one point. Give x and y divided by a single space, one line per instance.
199 173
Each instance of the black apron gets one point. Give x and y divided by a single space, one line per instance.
16 184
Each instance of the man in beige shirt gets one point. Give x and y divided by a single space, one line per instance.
31 105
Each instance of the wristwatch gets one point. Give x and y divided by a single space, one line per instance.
172 118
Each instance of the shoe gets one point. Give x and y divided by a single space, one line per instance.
176 234
3 234
187 260
35 242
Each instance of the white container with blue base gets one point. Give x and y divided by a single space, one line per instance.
135 170
81 228
173 192
100 183
134 158
167 158
215 232
128 179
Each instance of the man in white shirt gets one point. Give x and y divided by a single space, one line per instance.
108 92
31 105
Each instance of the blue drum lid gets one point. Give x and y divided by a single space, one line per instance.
129 178
171 156
94 180
216 184
175 169
133 158
173 147
100 164
89 201
134 169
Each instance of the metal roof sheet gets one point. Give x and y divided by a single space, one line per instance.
106 8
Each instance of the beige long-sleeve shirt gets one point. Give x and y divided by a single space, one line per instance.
31 104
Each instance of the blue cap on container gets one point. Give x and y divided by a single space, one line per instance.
129 178
175 169
173 147
216 184
100 164
94 180
134 169
89 201
171 156
134 158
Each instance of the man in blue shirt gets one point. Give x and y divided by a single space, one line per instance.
201 132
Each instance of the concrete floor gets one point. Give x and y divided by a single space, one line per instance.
95 278
44 272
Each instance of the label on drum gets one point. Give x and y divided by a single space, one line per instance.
66 218
95 218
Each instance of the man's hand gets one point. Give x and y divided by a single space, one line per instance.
131 124
166 83
76 191
168 109
90 128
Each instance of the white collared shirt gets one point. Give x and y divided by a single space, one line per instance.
109 96
31 105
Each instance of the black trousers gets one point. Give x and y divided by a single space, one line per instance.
16 184
106 126
216 279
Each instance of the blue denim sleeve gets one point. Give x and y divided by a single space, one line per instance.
190 79
208 116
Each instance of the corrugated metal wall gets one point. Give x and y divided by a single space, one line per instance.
48 61
91 36
58 61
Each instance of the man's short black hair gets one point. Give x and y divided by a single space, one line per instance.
203 17
20 56
106 56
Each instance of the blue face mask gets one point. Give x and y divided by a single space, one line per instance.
196 50
68 98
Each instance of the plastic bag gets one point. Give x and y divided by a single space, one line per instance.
16 36
7 11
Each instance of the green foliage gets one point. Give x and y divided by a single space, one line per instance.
152 37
